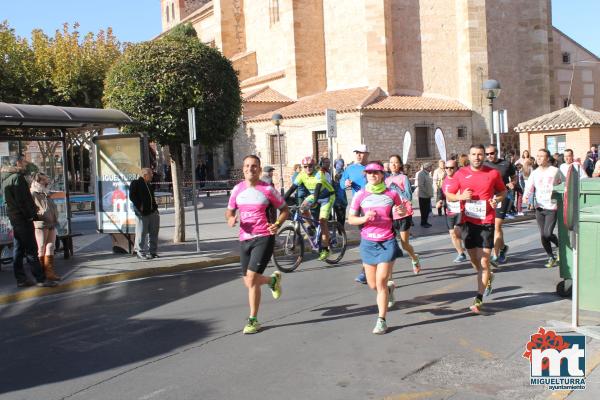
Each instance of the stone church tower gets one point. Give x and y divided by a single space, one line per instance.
305 51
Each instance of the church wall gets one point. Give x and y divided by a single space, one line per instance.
272 42
518 56
384 133
437 22
345 44
309 42
585 91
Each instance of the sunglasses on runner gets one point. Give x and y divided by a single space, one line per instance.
490 154
450 167
307 166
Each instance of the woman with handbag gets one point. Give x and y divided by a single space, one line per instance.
45 225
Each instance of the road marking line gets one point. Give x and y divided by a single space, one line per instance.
483 353
421 395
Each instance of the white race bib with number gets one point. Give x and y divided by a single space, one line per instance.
454 207
475 208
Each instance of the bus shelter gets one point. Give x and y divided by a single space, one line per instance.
40 133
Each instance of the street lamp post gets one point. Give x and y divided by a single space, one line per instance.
492 88
276 118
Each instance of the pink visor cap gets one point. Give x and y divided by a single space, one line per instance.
374 167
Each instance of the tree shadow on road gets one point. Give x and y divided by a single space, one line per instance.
64 337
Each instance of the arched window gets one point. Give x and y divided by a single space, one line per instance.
173 11
566 58
167 12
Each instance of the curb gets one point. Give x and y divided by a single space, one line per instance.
98 280
112 278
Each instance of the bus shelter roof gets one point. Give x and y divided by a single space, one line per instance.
47 116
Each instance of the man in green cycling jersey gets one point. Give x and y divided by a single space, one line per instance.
321 194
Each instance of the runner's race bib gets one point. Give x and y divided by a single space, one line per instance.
453 207
475 208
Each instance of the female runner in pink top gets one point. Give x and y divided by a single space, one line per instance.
399 183
372 209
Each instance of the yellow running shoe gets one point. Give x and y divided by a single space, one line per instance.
252 326
276 286
476 307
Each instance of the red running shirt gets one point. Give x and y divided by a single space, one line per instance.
450 185
484 183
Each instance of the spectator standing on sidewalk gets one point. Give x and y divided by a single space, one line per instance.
21 213
45 225
339 164
147 223
425 185
438 177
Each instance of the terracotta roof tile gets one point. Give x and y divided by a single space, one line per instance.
265 95
565 118
416 103
340 100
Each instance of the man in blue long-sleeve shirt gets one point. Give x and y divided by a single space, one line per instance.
354 177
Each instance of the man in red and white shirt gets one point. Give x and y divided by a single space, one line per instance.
480 188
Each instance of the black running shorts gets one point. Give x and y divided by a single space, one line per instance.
503 209
478 236
402 225
452 221
255 253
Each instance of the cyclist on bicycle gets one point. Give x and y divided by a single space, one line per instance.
321 194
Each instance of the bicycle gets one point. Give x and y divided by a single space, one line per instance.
289 242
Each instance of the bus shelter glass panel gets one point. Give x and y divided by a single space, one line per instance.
41 156
118 162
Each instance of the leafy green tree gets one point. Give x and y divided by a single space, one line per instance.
156 82
17 67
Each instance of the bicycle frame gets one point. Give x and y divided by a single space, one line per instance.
315 241
299 221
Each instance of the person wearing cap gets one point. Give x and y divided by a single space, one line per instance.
372 209
425 185
22 211
354 177
268 175
321 195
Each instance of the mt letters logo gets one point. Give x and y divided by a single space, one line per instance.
556 361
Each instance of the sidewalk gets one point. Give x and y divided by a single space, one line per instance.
94 263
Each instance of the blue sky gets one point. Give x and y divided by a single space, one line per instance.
138 20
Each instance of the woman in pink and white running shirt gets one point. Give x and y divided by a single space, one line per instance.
399 183
372 209
251 198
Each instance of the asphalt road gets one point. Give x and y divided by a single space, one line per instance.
179 336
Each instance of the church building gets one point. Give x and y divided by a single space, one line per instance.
387 67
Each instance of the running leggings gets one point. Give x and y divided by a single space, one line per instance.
546 220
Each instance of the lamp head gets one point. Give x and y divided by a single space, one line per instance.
276 119
492 87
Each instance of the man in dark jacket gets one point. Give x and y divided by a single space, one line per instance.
21 212
141 194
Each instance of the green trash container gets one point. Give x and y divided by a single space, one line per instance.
589 258
565 247
589 192
589 195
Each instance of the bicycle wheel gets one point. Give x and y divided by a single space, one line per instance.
289 249
337 242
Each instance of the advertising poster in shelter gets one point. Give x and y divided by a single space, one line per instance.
118 162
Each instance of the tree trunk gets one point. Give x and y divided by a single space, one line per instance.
178 200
